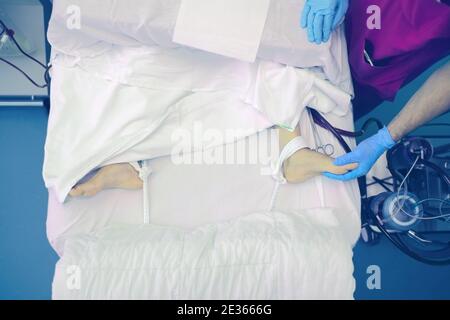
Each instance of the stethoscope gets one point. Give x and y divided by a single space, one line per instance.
324 148
327 149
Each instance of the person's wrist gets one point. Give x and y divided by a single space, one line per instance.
387 140
395 131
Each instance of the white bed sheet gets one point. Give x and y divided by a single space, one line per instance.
257 256
189 196
232 28
100 115
123 122
104 24
210 234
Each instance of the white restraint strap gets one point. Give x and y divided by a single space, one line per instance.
144 171
289 149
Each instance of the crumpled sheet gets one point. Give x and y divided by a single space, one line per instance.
259 256
117 106
103 91
103 24
119 91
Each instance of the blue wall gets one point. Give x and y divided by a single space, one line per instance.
26 259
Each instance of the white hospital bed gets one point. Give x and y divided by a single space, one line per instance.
211 232
211 235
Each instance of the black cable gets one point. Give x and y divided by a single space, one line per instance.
322 122
24 53
10 34
442 256
441 172
384 181
366 124
381 183
395 239
24 74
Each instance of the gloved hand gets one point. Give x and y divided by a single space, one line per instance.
321 17
365 154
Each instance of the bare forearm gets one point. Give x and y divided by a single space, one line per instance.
430 101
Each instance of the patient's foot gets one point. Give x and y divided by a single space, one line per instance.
306 164
121 175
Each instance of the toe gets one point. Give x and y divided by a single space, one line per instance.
88 189
76 191
91 189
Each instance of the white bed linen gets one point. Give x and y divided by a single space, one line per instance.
204 225
104 24
124 119
232 28
258 256
98 117
192 195
211 236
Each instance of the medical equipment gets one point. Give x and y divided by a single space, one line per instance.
10 46
324 148
414 211
414 217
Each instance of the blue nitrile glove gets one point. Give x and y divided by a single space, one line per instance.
321 17
365 155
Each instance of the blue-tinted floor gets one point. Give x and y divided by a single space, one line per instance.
26 259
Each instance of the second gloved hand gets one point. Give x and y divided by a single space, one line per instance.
320 17
365 155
